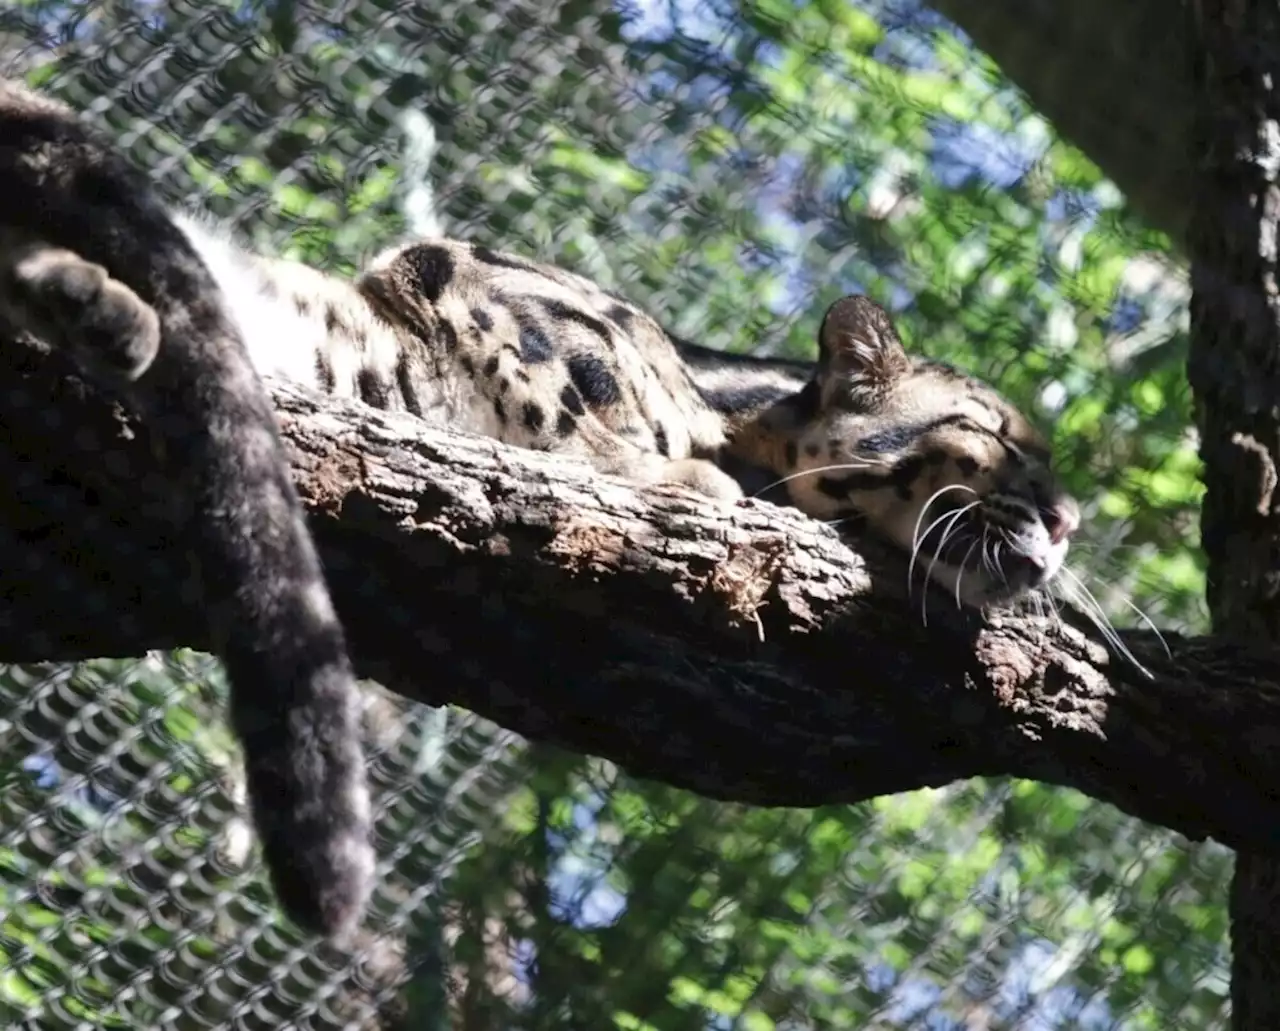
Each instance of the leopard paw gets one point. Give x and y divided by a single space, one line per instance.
72 303
704 477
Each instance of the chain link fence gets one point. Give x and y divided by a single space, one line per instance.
734 166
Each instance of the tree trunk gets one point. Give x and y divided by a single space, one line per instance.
1234 367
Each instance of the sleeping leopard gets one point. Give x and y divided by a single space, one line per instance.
488 342
170 312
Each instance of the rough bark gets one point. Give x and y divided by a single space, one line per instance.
1234 367
746 653
1112 78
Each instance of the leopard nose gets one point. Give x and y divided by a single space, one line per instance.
1062 520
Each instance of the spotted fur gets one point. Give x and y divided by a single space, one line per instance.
91 262
492 343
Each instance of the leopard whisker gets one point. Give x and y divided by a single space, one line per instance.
918 542
996 564
1137 611
838 467
947 534
1038 602
991 559
1053 605
917 538
960 572
1092 608
1151 626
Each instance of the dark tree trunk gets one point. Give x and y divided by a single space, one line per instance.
1235 372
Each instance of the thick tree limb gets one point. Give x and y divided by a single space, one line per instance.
746 654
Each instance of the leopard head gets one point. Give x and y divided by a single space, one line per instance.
933 459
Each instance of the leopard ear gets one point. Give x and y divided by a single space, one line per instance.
859 351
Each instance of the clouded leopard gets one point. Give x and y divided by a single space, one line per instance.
497 344
489 342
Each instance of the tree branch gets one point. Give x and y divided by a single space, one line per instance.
744 653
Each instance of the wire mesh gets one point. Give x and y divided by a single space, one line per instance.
733 166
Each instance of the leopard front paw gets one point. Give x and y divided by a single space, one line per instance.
704 477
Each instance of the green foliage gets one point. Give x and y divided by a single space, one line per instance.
736 167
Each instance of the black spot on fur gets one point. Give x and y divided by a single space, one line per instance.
302 304
661 442
404 380
744 398
968 466
808 402
570 398
490 257
1007 506
482 319
491 365
370 389
522 376
622 316
533 417
565 423
500 410
895 438
504 385
534 344
811 450
448 335
594 381
468 366
332 320
840 487
560 310
792 455
324 373
433 269
902 475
